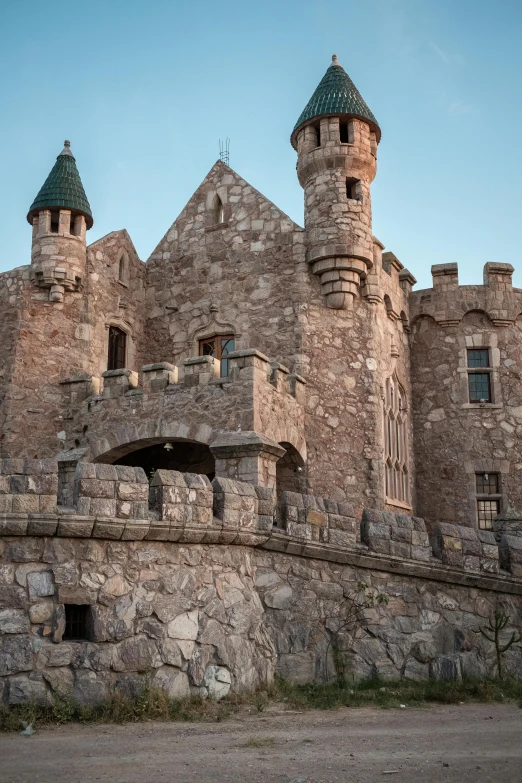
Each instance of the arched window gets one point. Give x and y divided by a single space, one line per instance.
123 268
117 349
396 442
218 211
218 347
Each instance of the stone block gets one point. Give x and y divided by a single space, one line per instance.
40 584
42 484
128 491
471 563
28 690
16 654
420 553
374 530
103 507
47 504
95 488
14 621
25 504
106 472
317 518
71 594
85 470
400 549
419 539
341 538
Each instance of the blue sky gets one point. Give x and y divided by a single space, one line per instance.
145 90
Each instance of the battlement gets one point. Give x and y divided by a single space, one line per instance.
447 302
116 502
247 364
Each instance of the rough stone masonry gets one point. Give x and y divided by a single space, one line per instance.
202 455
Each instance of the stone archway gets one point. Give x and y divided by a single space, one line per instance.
290 471
184 456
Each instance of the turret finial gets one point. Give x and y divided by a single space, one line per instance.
67 143
335 61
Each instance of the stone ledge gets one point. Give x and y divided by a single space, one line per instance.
279 542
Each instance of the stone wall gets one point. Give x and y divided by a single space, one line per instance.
202 588
56 340
454 439
186 402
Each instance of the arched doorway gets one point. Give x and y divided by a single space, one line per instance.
290 471
165 454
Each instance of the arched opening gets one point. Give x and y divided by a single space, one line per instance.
181 455
290 471
218 211
123 268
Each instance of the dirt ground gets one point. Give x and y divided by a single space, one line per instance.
463 744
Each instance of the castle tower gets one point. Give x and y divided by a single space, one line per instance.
60 216
336 139
344 322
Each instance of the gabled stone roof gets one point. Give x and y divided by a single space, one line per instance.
336 94
63 189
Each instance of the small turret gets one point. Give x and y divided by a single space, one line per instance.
336 140
60 216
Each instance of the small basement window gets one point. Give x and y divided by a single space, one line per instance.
77 622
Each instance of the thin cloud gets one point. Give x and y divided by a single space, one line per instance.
440 52
461 108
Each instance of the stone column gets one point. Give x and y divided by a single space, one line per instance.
247 456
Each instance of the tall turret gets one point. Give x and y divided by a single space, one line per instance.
60 216
336 139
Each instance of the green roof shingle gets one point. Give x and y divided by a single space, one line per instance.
63 189
336 94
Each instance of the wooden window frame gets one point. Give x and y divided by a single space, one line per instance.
488 497
116 355
217 340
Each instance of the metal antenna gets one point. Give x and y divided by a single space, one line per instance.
224 151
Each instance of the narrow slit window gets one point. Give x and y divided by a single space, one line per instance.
117 348
55 222
318 135
343 132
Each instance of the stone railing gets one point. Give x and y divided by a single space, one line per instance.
115 502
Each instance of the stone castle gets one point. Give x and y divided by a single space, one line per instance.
202 453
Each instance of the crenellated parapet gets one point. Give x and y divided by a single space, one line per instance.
258 395
447 302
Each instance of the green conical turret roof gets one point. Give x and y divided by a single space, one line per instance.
336 94
63 189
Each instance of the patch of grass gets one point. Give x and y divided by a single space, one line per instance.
380 693
153 704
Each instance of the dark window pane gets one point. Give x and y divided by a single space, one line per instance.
76 617
478 358
208 348
343 132
488 484
479 387
117 341
487 511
